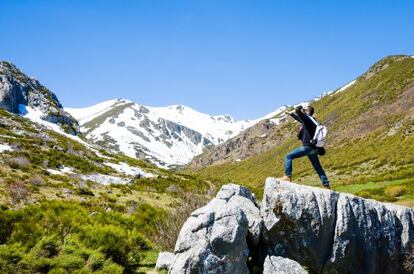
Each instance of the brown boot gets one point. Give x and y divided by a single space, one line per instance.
326 187
286 178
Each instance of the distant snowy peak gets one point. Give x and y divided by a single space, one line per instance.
219 128
167 136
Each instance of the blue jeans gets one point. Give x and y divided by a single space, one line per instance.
313 157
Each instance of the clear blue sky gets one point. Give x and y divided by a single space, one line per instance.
244 58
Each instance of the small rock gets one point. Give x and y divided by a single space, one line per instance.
281 265
165 260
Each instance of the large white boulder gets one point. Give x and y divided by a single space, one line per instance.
215 237
299 222
335 233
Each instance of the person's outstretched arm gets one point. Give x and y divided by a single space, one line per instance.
294 116
307 122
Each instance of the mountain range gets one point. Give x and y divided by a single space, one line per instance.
167 136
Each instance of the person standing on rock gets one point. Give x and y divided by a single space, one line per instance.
305 134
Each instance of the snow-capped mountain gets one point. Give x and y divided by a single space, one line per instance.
167 136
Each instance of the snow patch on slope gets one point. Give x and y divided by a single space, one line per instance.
105 179
346 86
36 115
5 147
128 170
278 112
84 115
64 170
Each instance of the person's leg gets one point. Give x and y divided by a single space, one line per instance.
296 153
313 157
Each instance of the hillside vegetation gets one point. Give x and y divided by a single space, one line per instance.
371 139
59 215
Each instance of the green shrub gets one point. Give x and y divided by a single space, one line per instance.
48 246
37 180
112 240
32 264
69 262
18 192
95 260
395 191
12 253
63 237
18 162
84 188
111 268
364 194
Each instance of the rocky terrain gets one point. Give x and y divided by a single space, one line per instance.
295 229
23 95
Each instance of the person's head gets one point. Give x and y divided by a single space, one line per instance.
309 110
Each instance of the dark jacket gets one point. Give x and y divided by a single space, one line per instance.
308 127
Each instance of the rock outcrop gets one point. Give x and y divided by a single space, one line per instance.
298 227
335 233
299 221
17 89
216 237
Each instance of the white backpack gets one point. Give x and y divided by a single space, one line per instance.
320 134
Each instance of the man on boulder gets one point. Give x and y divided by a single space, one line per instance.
305 134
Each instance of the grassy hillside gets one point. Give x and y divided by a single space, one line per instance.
54 219
371 138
